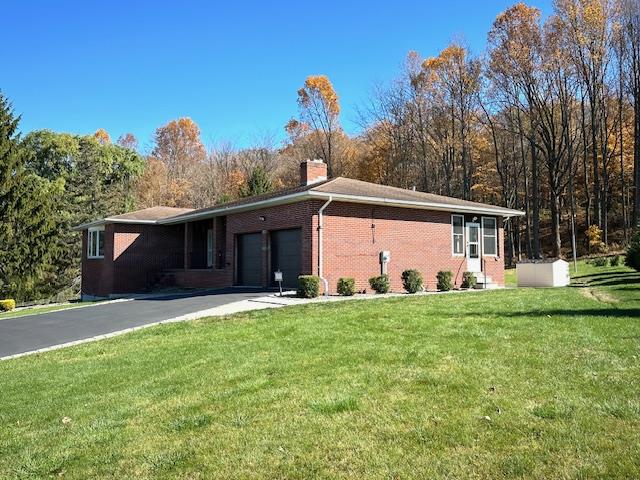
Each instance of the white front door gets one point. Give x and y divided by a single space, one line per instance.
473 247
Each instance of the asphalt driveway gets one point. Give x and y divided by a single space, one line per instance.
33 332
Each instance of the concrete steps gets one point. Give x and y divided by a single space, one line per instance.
485 282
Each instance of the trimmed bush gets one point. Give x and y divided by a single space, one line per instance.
632 259
600 262
614 261
380 284
468 280
308 286
346 286
412 281
7 305
445 280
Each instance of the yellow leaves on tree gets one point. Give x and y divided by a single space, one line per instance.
318 91
319 109
178 146
102 136
514 41
172 167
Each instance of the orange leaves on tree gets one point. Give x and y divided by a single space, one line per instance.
102 136
318 88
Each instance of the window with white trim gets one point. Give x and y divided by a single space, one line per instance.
457 234
95 242
489 236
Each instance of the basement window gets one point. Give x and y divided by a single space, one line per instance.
457 233
489 237
95 242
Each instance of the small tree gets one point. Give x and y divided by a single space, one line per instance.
258 183
380 284
632 258
468 280
445 282
308 286
346 286
412 281
594 236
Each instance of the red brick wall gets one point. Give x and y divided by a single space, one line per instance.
295 215
142 252
134 257
97 273
417 239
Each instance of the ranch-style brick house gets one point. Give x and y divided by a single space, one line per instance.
327 227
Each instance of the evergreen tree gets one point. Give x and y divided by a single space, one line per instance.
258 183
97 182
28 217
632 258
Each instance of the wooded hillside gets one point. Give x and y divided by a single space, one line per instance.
546 120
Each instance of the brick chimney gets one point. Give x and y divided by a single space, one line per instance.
312 171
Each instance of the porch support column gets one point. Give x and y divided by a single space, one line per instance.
266 260
186 247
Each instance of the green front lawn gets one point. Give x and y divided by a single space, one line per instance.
501 384
37 309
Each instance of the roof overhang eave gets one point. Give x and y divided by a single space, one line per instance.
271 202
489 210
104 221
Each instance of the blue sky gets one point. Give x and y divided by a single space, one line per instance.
233 67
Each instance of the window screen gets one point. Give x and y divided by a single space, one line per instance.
489 236
457 222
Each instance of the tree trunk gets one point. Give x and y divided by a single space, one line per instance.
636 149
625 224
536 198
596 169
585 167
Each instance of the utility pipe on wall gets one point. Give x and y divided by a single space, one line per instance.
320 246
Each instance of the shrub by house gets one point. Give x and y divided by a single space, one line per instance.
412 281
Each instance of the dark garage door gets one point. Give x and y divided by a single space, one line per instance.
285 255
249 254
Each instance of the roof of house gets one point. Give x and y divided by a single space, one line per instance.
338 189
349 190
146 215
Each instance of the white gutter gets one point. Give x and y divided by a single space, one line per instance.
504 212
320 245
308 194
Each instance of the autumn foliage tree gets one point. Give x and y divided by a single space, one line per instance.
102 136
172 167
319 109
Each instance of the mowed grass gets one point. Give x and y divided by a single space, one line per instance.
37 309
503 384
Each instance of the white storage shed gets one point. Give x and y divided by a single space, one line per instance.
552 272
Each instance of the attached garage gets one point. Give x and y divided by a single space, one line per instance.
249 259
286 255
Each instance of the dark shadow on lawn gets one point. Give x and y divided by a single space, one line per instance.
589 312
603 274
617 281
607 279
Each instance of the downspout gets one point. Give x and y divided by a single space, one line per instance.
320 246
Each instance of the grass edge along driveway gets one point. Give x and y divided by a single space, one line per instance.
512 383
